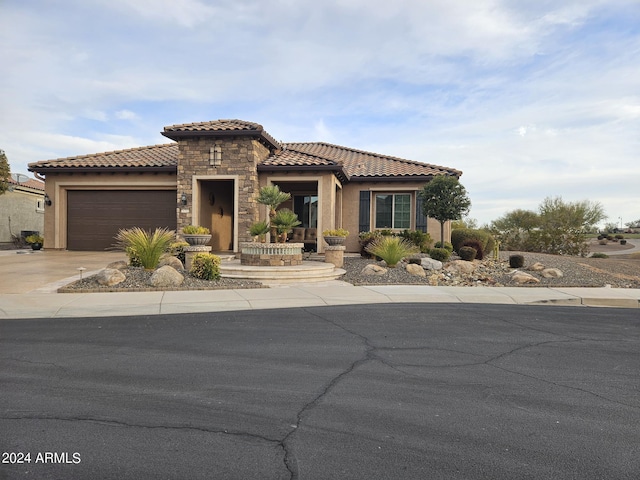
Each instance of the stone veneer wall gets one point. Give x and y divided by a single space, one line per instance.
240 156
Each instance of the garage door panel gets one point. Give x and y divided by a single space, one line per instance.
95 216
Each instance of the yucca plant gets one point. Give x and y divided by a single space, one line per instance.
391 249
144 248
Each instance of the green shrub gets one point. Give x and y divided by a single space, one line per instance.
441 254
623 242
205 266
461 235
445 245
599 255
177 250
391 249
259 228
467 253
420 239
144 248
365 238
516 261
339 232
195 230
477 246
619 236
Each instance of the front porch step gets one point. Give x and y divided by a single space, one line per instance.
307 272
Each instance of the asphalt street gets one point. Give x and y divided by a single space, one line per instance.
387 391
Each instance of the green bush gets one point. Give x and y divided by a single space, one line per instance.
599 255
144 248
467 253
516 261
477 246
445 245
365 238
461 235
391 249
195 230
205 266
619 236
441 254
420 239
177 250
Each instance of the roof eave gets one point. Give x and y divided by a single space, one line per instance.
98 169
265 137
336 169
398 178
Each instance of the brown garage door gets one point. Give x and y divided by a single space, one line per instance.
94 217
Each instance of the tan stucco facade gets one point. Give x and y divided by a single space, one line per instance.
22 210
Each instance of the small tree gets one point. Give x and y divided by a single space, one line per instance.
5 172
444 198
272 197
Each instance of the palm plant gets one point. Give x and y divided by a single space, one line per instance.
271 196
144 248
391 249
284 221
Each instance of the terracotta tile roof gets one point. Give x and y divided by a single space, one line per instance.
220 128
358 164
31 183
162 157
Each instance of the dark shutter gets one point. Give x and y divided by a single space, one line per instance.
365 211
421 220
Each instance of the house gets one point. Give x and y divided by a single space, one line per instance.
210 176
22 207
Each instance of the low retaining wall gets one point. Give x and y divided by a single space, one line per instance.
257 254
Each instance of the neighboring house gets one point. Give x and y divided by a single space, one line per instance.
22 207
210 177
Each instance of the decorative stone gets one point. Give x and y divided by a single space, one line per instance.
172 262
461 266
166 277
270 254
110 277
373 269
551 273
416 270
537 267
431 264
523 277
119 265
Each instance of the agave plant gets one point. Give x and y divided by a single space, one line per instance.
391 249
144 248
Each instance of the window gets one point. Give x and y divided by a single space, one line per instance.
306 207
393 210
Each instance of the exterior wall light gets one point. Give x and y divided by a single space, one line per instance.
183 199
215 156
47 200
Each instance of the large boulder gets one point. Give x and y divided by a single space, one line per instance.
110 276
461 266
172 262
537 267
416 270
166 277
373 269
523 278
119 265
551 273
431 264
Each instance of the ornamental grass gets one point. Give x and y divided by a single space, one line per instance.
144 248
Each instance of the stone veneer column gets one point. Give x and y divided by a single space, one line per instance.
240 157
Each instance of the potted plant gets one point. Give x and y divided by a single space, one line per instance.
260 230
335 237
35 241
284 220
196 235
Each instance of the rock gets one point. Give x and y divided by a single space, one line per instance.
461 266
537 267
110 276
119 265
166 277
523 277
172 262
431 264
373 269
416 270
552 273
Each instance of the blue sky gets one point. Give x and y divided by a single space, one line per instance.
528 99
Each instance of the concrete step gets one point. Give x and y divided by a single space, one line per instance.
307 272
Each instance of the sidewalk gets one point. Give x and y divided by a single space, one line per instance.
28 283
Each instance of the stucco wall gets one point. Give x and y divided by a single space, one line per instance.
20 212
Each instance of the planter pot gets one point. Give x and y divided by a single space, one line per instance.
196 239
334 240
36 246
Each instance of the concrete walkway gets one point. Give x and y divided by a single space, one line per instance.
28 282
